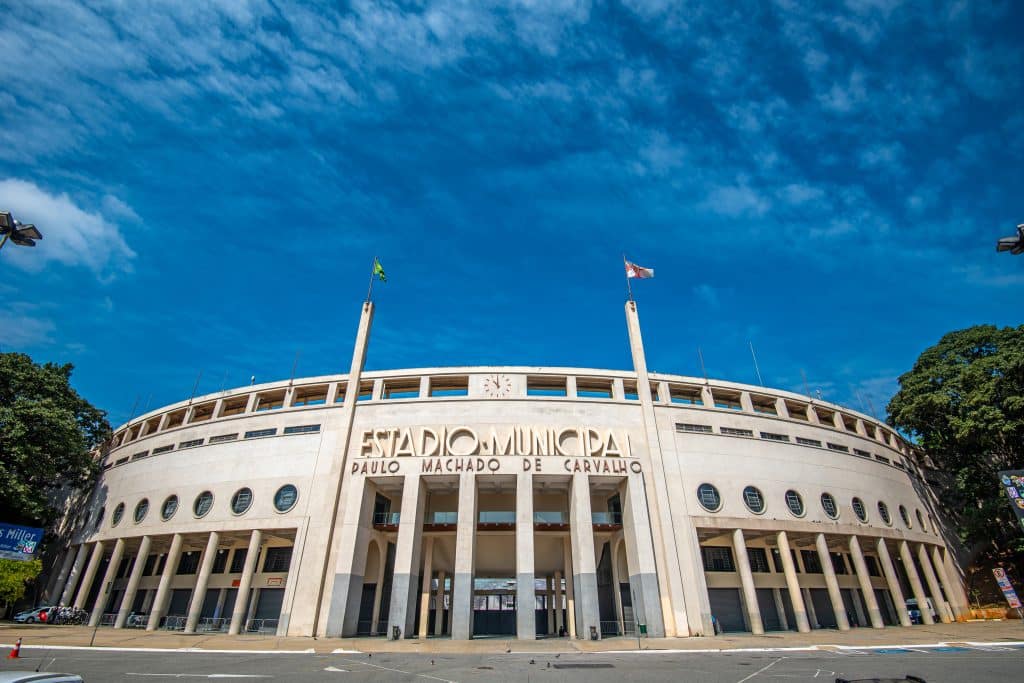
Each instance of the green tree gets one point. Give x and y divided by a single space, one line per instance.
963 402
14 577
46 433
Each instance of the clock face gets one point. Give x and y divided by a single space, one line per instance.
497 386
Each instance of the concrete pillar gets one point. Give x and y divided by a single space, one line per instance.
526 602
163 590
222 598
933 584
570 596
439 604
792 583
616 580
108 582
76 571
864 579
584 567
147 601
133 582
238 614
195 608
90 574
858 610
550 592
378 591
812 611
894 583
57 589
832 583
915 583
559 614
426 585
780 609
461 614
254 600
739 547
640 560
947 586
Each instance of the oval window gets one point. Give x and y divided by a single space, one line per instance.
859 509
828 504
118 514
204 501
169 507
905 517
241 501
795 503
285 498
883 511
141 509
753 499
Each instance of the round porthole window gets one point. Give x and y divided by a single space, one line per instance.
905 517
169 507
285 498
883 512
795 503
241 501
118 514
753 499
141 509
204 501
828 504
859 509
708 497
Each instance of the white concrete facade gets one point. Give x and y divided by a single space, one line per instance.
520 501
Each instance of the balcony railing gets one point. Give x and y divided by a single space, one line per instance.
386 518
549 517
443 518
497 517
606 518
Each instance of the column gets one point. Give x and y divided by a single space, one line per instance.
559 614
640 560
526 602
616 592
378 591
76 571
864 579
239 611
552 631
90 574
218 611
402 611
108 581
780 609
792 584
53 596
947 587
933 584
739 547
195 608
570 599
832 583
584 567
439 604
812 611
894 583
163 591
427 586
133 582
915 583
461 613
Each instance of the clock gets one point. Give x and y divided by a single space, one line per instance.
497 386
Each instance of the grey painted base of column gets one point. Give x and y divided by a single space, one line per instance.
526 607
647 603
343 613
462 607
399 612
588 614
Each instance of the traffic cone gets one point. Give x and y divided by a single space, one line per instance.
16 652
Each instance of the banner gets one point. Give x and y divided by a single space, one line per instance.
1013 485
19 542
1004 585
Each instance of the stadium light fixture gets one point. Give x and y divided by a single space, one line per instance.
1015 244
16 231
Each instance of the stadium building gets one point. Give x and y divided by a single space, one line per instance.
506 501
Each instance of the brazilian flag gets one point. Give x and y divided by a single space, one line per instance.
378 270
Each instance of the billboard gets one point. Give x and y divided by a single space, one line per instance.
1013 485
19 542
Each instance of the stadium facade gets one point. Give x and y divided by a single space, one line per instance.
517 501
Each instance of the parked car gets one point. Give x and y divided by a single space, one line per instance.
31 616
915 612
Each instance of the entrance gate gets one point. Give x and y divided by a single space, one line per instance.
494 613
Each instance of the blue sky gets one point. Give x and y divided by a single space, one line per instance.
213 179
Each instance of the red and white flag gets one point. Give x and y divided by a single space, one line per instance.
633 270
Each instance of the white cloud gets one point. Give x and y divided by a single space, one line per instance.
709 295
736 201
19 331
72 236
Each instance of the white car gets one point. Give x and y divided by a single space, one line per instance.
37 677
30 616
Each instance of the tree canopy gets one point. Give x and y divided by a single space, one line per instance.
46 433
963 402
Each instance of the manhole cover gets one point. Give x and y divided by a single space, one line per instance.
583 665
486 668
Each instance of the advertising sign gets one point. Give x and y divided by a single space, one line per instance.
1013 485
1004 585
19 542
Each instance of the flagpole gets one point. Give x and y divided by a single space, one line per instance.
629 286
369 291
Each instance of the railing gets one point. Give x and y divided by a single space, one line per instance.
261 626
606 517
137 621
365 628
610 628
548 517
443 518
386 518
108 618
209 624
497 517
173 623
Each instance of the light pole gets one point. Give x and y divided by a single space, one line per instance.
19 233
1015 244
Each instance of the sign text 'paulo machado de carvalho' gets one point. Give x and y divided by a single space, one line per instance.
460 448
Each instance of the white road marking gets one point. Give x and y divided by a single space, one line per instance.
343 651
762 669
334 668
195 650
400 671
200 675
